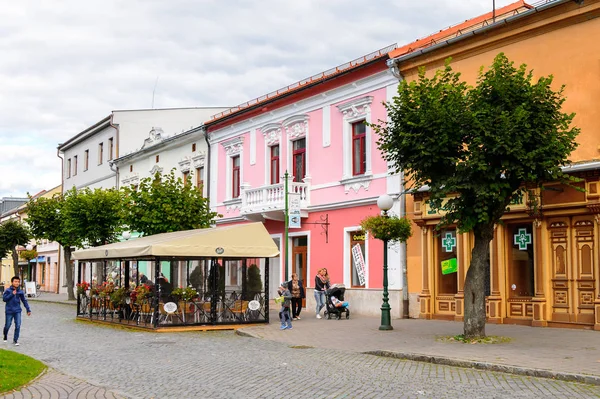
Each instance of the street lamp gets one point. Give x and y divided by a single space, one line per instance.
385 203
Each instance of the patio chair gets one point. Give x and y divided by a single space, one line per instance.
239 309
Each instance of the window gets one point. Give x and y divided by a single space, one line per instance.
86 160
235 177
447 263
157 158
520 260
185 177
100 153
299 159
193 147
75 165
68 168
357 256
131 168
200 178
359 152
110 149
275 164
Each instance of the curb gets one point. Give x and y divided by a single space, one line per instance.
74 303
530 372
446 361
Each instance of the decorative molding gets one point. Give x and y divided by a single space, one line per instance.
156 169
356 109
185 164
234 147
296 126
198 160
233 205
131 179
154 137
271 133
356 183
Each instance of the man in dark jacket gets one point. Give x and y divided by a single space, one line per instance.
13 296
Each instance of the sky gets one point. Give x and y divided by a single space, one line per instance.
65 65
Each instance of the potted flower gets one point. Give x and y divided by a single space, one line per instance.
140 294
189 293
117 297
82 288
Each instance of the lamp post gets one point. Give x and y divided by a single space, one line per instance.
385 203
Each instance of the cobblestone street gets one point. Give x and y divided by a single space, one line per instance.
97 361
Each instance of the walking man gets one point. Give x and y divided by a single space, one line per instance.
13 296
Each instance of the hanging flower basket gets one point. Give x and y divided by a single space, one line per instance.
390 228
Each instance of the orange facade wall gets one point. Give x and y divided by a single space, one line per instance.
562 42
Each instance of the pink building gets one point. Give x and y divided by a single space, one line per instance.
315 130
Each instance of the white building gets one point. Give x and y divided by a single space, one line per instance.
87 157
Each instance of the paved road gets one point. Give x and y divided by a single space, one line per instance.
112 362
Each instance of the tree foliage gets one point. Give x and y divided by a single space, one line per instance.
163 204
476 148
77 219
13 234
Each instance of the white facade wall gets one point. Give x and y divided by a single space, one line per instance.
134 125
98 173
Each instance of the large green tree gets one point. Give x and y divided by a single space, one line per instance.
476 148
77 219
162 204
12 234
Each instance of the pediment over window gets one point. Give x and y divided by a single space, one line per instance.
271 133
132 179
234 146
296 126
154 137
185 164
156 169
357 108
198 160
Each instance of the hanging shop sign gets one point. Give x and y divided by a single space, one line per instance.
522 239
294 218
449 266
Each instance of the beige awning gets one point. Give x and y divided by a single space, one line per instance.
250 240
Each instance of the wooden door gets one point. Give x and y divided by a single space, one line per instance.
573 283
299 261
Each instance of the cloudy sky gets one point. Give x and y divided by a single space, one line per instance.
64 65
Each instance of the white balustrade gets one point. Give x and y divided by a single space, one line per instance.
271 197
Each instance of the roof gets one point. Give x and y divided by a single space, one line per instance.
250 240
305 83
95 128
462 28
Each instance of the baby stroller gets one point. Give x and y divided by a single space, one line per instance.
337 290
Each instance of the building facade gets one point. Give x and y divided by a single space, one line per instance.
317 131
544 260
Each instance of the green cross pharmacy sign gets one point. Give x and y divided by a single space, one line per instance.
522 239
448 242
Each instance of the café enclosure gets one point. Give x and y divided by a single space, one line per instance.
213 276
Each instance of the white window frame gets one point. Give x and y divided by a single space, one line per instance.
348 258
296 128
233 148
355 111
272 136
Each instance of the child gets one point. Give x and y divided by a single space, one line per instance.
339 304
284 313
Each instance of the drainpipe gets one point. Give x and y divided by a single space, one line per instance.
207 167
403 254
62 181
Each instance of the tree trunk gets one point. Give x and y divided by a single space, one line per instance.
69 273
15 257
474 325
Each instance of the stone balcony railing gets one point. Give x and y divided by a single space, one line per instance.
272 197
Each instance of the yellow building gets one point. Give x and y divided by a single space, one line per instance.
544 263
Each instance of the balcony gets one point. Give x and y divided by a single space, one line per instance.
268 202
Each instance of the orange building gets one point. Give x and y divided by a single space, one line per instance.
544 262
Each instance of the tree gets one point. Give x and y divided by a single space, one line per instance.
477 148
162 204
77 219
13 234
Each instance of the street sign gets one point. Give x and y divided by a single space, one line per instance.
294 218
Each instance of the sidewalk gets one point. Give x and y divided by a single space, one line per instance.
565 354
